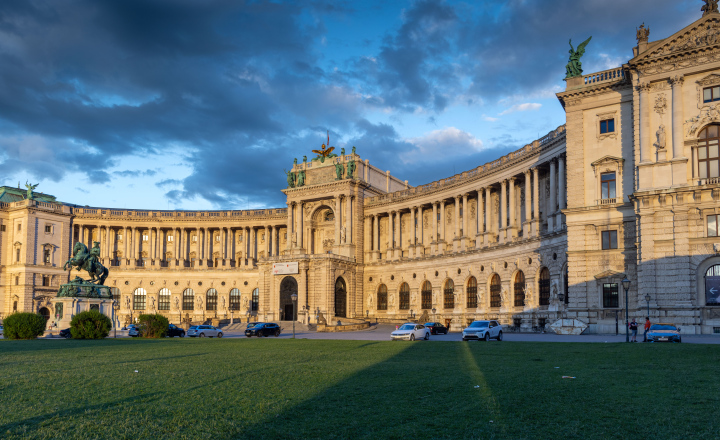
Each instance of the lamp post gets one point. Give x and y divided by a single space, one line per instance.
116 307
434 310
294 298
647 299
626 286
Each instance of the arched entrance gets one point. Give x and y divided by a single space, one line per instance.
340 298
45 313
288 287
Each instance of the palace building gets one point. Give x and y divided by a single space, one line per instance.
628 187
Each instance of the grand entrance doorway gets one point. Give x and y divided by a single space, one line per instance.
288 286
340 298
45 313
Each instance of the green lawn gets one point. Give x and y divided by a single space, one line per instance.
270 388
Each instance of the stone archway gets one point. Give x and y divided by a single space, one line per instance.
45 313
322 230
288 287
340 298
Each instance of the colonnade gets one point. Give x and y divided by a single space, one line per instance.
499 217
300 236
193 246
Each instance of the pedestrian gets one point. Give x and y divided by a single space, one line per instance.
647 327
633 330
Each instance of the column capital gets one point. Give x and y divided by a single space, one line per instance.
677 80
643 87
534 169
457 197
512 179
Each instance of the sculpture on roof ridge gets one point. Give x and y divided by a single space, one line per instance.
643 33
709 6
350 169
323 153
290 178
574 66
30 187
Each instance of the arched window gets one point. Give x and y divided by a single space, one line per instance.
382 297
404 296
495 288
139 297
164 299
472 293
211 299
255 303
449 295
544 286
235 299
712 285
519 288
188 299
426 295
708 159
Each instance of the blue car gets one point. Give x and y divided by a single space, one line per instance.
664 333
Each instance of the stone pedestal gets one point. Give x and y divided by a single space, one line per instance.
67 307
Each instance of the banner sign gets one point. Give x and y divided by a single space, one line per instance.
712 290
285 268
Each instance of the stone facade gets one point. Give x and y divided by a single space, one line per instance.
510 240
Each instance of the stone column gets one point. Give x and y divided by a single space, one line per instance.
152 240
488 216
502 233
536 202
677 118
441 227
300 228
479 219
367 245
553 198
528 199
126 247
413 233
376 237
421 239
348 220
465 215
398 237
81 234
435 234
268 248
338 224
645 135
562 196
512 223
456 222
252 253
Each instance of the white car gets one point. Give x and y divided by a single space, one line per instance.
411 332
483 330
204 330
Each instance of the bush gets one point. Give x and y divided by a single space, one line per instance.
153 326
24 325
90 325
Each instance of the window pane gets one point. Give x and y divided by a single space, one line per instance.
611 125
712 226
607 176
605 191
605 240
716 93
713 129
612 189
713 151
613 239
707 95
702 169
714 169
702 153
603 126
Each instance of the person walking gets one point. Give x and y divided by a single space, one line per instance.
633 330
647 327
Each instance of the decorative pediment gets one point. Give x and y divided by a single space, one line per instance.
607 160
710 80
609 274
708 114
702 34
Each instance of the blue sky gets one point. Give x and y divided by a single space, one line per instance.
179 104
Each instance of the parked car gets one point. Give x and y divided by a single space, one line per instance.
1 329
65 333
662 332
174 330
436 328
483 330
263 329
134 331
411 332
202 331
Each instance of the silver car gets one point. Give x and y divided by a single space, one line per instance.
411 332
201 331
483 331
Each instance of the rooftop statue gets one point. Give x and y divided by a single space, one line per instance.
300 178
709 6
339 170
323 153
83 259
290 179
30 187
350 169
574 66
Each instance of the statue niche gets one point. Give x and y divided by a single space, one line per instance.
322 229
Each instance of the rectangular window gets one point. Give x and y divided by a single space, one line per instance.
45 280
2 228
607 126
708 157
607 185
17 255
119 237
711 94
217 238
145 237
46 256
609 239
19 227
17 281
712 225
170 238
610 295
194 238
48 229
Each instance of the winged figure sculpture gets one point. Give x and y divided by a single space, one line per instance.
323 152
574 66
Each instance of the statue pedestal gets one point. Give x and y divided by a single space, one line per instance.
80 296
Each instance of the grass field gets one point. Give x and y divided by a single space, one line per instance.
269 388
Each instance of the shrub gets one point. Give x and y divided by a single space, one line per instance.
24 325
153 326
90 325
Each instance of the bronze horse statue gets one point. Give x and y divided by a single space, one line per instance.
83 259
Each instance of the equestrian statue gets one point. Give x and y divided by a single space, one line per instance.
82 259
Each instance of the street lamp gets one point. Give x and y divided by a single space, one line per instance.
626 286
647 298
434 310
116 307
294 300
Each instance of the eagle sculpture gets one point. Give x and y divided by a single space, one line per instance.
323 153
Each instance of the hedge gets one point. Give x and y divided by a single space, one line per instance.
90 325
153 326
24 325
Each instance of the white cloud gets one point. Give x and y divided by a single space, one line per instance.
444 143
489 118
528 106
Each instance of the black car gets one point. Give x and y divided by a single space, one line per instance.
174 330
65 333
436 328
263 329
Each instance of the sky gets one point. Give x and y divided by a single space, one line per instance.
201 104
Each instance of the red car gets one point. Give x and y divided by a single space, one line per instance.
436 328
